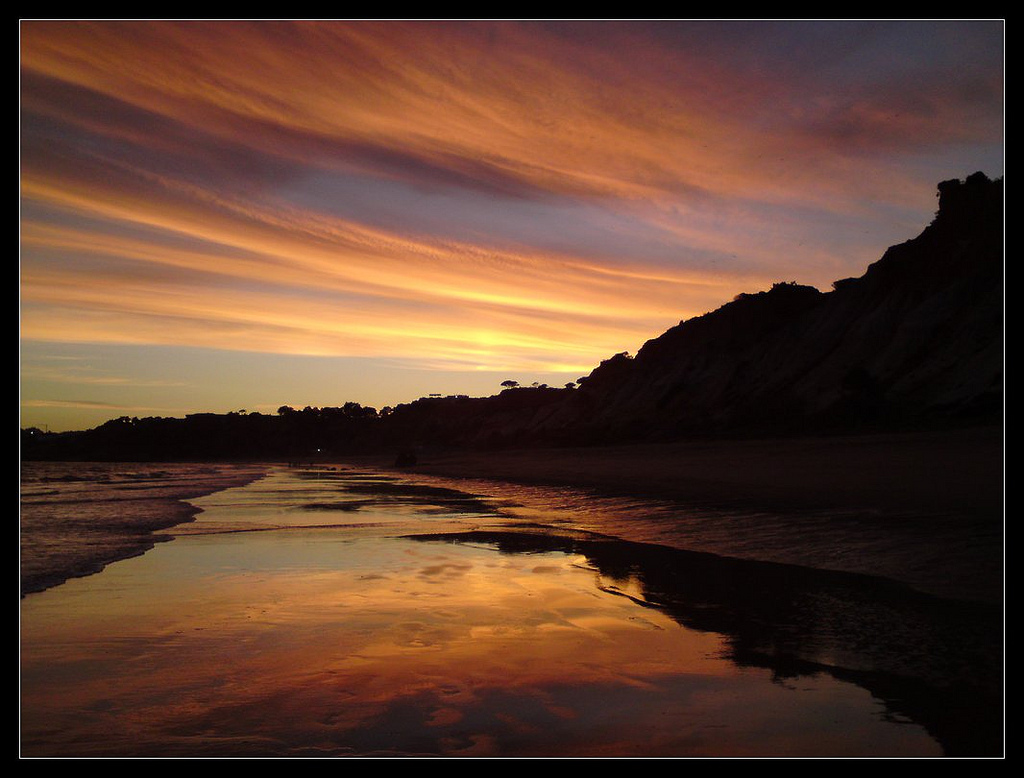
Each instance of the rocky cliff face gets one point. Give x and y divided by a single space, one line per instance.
917 339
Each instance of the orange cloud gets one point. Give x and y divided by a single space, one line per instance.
606 179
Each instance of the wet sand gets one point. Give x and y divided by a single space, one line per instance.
747 598
347 612
923 508
956 470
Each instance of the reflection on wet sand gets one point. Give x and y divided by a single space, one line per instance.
414 631
934 661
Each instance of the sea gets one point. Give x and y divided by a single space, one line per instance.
336 610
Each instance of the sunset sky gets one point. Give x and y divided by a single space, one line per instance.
228 215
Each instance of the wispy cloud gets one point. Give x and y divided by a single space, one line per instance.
94 405
88 375
472 195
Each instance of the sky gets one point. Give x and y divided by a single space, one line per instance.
218 216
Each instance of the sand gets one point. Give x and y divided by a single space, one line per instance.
923 508
956 470
334 612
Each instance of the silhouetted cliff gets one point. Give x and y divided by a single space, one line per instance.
917 341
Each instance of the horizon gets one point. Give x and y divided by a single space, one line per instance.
219 216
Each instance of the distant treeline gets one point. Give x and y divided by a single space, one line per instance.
308 434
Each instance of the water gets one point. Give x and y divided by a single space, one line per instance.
78 516
345 612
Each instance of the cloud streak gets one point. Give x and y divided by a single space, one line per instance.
472 194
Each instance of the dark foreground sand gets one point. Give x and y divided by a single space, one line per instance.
924 508
956 470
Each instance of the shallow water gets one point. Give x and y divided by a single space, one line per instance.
322 613
75 517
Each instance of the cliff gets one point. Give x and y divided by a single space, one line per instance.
917 340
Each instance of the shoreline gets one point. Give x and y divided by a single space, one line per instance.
924 509
115 527
937 471
949 483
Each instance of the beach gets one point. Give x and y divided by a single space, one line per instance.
354 609
920 507
957 469
76 517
